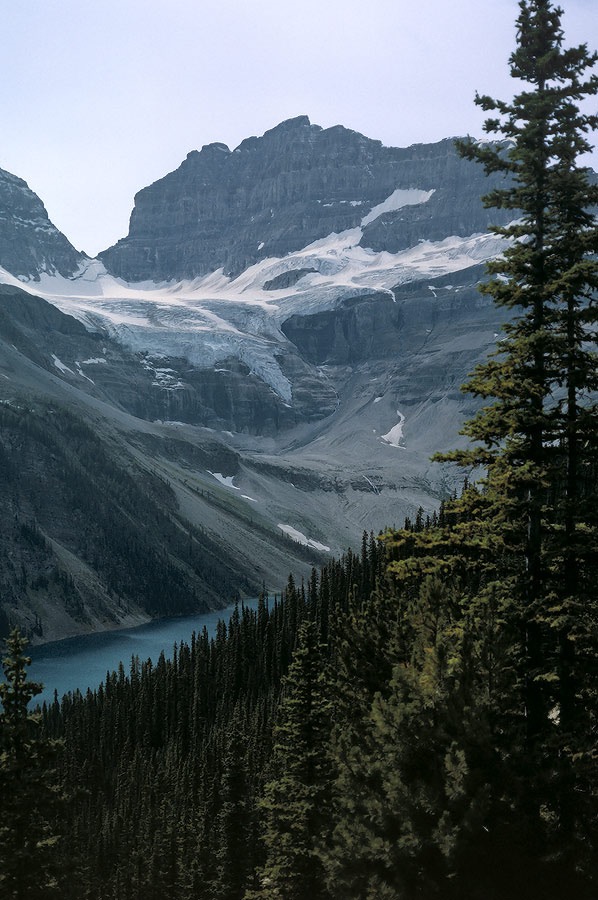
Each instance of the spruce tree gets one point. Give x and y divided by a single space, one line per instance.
538 435
29 797
296 802
234 821
411 746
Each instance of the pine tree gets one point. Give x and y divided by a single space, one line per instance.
538 437
234 822
411 746
296 801
29 797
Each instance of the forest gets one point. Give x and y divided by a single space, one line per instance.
420 719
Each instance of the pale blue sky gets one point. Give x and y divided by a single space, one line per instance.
99 99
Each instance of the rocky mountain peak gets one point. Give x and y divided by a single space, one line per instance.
292 124
29 243
280 192
207 151
290 130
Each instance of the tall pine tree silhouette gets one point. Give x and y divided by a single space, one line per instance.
29 797
296 803
538 435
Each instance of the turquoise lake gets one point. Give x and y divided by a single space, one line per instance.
82 662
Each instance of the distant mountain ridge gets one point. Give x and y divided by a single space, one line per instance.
296 184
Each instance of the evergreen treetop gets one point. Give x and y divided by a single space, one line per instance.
30 796
537 437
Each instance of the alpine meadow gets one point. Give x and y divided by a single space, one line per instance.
414 718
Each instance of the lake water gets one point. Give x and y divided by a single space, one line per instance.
82 662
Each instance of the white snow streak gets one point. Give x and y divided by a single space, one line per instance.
395 435
82 373
302 539
226 480
397 200
60 365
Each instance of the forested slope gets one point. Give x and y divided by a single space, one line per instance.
90 536
360 737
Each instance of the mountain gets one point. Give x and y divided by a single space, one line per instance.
29 243
279 341
274 195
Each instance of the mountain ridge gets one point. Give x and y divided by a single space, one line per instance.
277 193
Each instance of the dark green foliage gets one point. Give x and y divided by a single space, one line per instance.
172 760
235 838
296 806
538 437
434 783
29 794
392 767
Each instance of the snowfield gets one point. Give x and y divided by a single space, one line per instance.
212 318
302 539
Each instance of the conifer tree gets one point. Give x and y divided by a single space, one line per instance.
411 747
538 435
234 822
296 802
29 797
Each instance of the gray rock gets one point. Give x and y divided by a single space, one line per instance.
29 243
311 409
278 193
361 329
287 279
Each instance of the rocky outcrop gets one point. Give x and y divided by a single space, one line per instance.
280 192
359 329
29 243
455 207
287 279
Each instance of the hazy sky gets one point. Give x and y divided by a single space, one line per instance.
99 99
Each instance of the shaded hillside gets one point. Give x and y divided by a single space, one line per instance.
94 533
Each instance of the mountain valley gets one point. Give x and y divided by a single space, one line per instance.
267 362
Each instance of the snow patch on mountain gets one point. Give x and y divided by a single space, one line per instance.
226 480
212 318
397 200
82 373
394 437
61 366
302 539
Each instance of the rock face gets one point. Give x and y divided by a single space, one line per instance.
360 329
227 397
29 243
278 193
